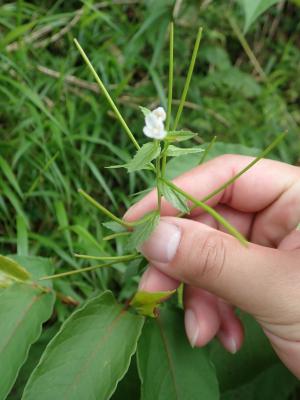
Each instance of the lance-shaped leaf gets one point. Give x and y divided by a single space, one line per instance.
169 368
176 199
23 309
174 151
180 136
89 355
253 9
143 231
144 156
147 303
13 269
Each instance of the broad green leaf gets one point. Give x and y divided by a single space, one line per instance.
174 198
169 367
23 309
174 151
253 9
22 236
263 388
13 269
255 355
143 231
146 303
144 156
145 110
179 136
89 355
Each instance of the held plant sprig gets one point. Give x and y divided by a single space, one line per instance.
153 156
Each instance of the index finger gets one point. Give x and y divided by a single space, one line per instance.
255 190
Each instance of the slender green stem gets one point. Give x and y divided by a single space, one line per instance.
231 229
208 148
116 235
127 257
171 74
170 97
157 164
253 162
103 209
77 271
188 79
107 95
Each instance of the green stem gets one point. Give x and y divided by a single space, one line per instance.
171 74
116 235
77 271
253 162
188 79
103 209
127 257
231 229
157 163
107 95
208 148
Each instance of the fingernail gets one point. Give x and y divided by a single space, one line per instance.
191 327
231 346
144 280
163 243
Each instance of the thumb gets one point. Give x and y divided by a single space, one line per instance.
258 279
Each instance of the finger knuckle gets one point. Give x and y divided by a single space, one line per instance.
207 258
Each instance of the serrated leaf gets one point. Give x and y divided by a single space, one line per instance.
179 136
23 309
114 226
176 199
143 231
253 9
145 110
13 269
146 303
89 355
169 367
174 151
144 156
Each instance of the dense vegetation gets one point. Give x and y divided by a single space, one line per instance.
57 134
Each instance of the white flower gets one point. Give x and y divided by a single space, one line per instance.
154 124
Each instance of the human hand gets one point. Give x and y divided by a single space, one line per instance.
263 278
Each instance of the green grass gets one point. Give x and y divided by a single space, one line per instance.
57 133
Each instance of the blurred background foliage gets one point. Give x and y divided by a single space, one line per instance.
57 133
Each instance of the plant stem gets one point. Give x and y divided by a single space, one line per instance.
188 79
103 209
208 148
253 162
157 164
127 257
107 95
171 74
77 271
231 229
116 235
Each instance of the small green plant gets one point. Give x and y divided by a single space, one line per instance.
103 339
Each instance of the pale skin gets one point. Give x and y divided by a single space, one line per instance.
262 278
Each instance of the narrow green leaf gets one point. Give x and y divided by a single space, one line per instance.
114 226
169 367
253 9
174 151
144 156
62 218
145 110
23 309
143 231
180 136
8 173
146 303
13 269
176 199
89 355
